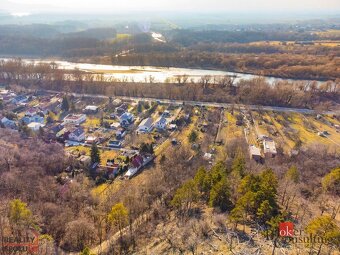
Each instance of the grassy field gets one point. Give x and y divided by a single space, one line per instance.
120 37
233 131
92 122
287 129
306 135
286 143
105 155
221 136
82 149
86 150
181 137
333 139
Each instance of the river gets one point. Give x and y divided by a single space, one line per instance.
143 73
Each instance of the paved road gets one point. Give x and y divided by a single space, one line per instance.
207 104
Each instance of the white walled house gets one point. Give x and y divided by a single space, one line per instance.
269 148
35 126
145 126
75 119
77 135
91 109
161 123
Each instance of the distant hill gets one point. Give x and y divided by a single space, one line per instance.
34 30
95 33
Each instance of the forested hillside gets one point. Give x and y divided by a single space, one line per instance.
178 206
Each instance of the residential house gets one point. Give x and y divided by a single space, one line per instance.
111 168
75 119
7 123
145 126
49 105
166 114
208 156
35 118
172 127
35 126
115 125
126 119
52 131
6 98
269 148
137 162
119 111
113 116
161 123
85 160
117 102
91 109
91 139
136 165
62 134
120 133
4 92
19 99
7 95
31 112
77 135
123 107
255 153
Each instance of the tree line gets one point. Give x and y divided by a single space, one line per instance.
306 94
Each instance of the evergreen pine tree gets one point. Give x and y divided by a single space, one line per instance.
95 154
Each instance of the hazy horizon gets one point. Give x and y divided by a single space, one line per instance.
103 6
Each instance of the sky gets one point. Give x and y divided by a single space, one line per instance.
171 5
